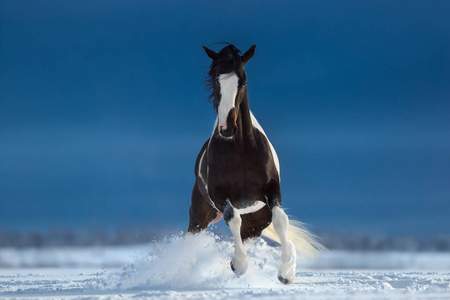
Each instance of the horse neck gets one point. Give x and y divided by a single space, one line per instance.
244 120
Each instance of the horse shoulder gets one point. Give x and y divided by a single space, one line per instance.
200 157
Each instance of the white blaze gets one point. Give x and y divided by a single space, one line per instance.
228 90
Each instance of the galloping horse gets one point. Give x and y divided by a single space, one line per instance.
237 171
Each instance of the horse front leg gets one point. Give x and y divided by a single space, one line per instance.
201 213
233 219
286 272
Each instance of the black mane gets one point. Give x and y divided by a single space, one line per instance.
228 60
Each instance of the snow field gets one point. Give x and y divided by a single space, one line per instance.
198 268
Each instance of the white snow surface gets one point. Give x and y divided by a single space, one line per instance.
198 267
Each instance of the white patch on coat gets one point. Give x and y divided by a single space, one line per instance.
252 208
205 184
200 170
255 124
228 91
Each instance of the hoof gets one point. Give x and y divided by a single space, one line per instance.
238 272
285 280
232 267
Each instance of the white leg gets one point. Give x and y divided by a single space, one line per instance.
239 262
286 273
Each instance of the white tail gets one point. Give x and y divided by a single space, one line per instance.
304 241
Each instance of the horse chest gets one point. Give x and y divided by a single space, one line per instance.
237 172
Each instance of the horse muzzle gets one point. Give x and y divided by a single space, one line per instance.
228 132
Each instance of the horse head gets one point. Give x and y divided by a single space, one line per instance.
228 81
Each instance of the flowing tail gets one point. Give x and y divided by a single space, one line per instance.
304 241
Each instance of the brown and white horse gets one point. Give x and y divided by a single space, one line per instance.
238 174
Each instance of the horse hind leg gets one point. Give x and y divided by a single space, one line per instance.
233 219
286 272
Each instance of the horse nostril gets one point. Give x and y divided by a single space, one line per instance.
228 131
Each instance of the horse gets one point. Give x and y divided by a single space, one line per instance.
237 172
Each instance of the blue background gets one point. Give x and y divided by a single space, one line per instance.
103 109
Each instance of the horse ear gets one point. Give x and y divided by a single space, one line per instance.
248 54
210 53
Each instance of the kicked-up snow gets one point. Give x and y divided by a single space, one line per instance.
199 268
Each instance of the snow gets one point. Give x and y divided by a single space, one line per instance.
198 268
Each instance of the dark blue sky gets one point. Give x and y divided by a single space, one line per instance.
103 109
